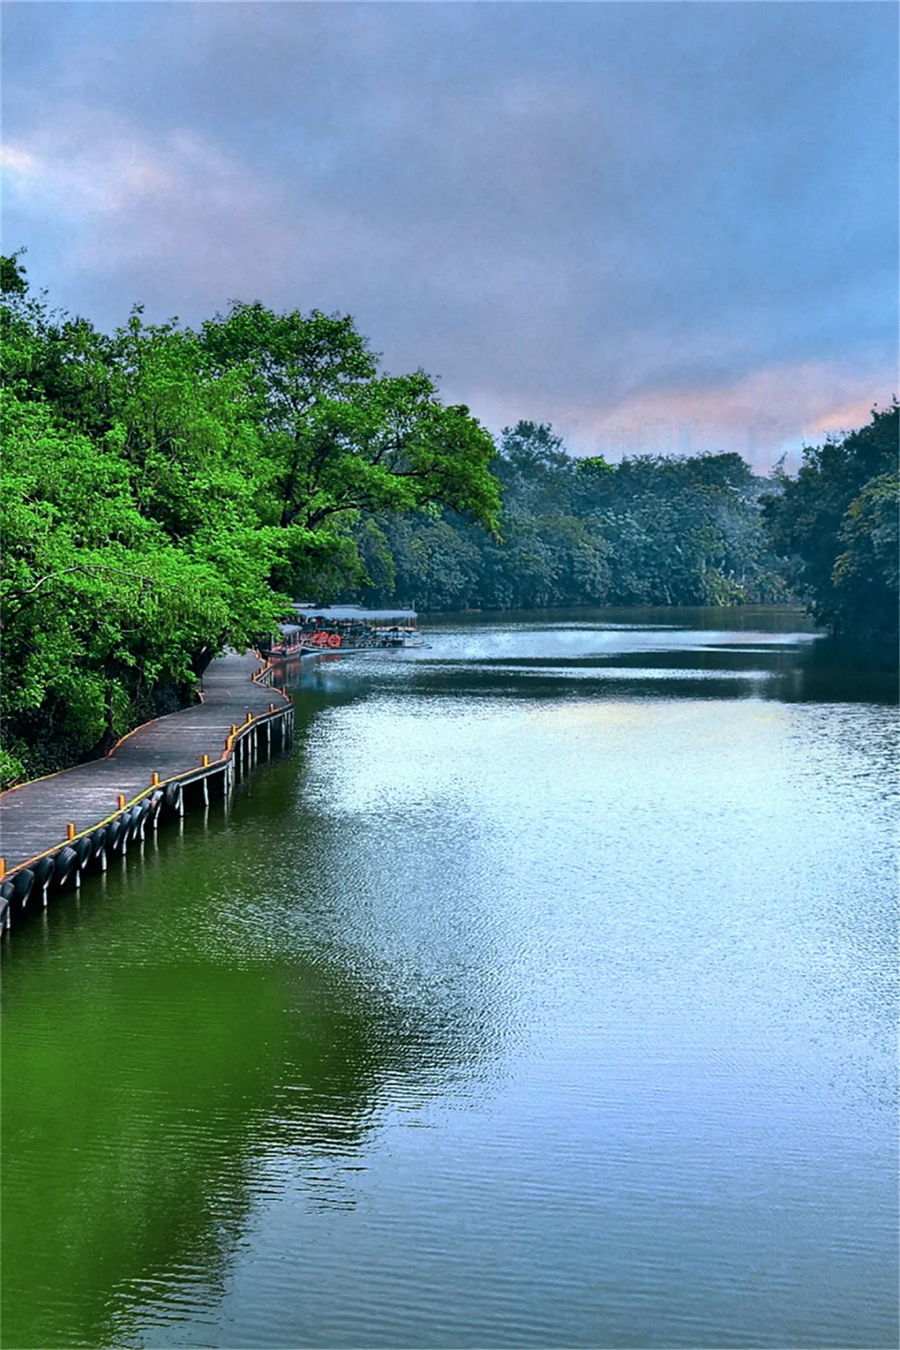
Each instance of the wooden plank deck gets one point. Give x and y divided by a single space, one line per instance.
34 817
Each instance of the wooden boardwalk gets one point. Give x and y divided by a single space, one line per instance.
154 767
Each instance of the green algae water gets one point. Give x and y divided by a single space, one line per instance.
544 996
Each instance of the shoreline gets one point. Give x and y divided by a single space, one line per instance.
151 773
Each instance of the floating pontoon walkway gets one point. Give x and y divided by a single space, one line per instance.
54 829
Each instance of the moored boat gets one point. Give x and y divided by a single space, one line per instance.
343 628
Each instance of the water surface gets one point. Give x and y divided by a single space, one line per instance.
544 997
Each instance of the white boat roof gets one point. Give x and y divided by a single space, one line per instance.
304 610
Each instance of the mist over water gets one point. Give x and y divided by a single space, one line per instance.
545 996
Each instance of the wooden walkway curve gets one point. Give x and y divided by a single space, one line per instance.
238 716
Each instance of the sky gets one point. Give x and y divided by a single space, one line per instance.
668 227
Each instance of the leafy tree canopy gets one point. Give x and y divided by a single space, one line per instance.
167 491
650 530
836 523
341 437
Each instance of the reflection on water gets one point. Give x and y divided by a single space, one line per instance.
544 997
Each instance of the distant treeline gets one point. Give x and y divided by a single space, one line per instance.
656 530
167 491
648 531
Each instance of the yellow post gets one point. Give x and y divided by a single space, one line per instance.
249 717
2 868
233 729
204 760
271 707
121 801
70 831
154 779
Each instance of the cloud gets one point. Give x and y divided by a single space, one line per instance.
175 212
762 415
590 213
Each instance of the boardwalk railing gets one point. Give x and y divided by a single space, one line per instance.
44 863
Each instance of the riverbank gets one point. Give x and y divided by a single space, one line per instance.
56 828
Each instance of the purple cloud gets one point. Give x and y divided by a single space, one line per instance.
609 215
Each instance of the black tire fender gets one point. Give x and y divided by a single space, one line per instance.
114 835
66 864
43 871
22 885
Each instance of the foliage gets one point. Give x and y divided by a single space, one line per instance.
651 530
166 492
108 614
836 523
340 437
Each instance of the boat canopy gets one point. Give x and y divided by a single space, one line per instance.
330 612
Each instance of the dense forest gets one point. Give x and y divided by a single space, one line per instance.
699 530
650 530
166 492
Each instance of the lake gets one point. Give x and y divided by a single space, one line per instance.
544 996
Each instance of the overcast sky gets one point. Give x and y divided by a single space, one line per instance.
660 226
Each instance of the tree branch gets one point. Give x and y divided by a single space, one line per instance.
77 567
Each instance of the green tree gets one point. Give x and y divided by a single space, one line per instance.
651 530
836 524
107 620
339 436
165 491
866 572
